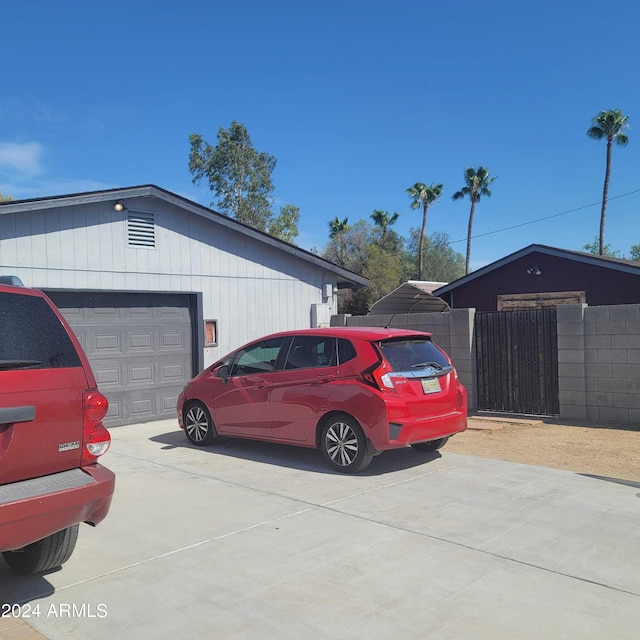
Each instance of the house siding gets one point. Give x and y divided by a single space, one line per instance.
249 287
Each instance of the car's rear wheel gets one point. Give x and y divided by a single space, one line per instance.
344 445
434 445
48 553
198 425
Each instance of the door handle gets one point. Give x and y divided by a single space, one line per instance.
257 382
10 415
327 378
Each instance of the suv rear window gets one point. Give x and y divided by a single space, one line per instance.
31 335
411 354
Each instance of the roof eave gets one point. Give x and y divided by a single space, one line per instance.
345 278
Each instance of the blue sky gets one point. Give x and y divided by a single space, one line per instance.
357 100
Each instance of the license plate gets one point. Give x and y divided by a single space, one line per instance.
431 385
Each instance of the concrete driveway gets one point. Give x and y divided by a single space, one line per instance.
252 540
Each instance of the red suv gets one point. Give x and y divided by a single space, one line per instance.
351 392
51 434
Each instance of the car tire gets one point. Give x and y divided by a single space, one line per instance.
344 445
48 553
434 445
198 425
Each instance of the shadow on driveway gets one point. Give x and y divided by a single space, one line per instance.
302 458
19 589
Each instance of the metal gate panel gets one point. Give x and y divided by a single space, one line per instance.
517 361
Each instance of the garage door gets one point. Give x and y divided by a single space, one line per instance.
139 346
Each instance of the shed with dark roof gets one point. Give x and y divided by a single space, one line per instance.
540 276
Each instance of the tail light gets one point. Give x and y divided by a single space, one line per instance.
378 377
95 438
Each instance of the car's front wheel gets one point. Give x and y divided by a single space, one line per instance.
434 445
344 445
48 553
198 425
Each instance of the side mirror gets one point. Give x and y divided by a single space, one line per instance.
223 372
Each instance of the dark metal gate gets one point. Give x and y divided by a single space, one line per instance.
517 361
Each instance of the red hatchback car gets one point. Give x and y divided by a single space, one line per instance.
351 392
51 434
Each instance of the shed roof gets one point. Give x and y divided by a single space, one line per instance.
607 262
345 278
413 296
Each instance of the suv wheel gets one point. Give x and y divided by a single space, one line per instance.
434 445
344 445
48 553
198 426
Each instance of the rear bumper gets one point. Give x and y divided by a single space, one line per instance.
33 509
401 435
398 429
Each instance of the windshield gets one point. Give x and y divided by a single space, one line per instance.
413 354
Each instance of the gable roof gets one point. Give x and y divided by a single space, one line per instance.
345 277
413 296
616 264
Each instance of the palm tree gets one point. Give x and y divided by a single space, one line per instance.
423 196
477 184
337 226
337 230
382 220
608 125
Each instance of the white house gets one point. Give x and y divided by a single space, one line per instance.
157 287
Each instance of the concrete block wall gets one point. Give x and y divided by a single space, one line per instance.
612 364
598 356
452 330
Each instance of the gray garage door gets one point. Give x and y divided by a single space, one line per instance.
139 346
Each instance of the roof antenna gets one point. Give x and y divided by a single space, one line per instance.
386 326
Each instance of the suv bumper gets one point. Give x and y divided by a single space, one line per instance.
34 509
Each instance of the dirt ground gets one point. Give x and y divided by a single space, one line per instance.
609 452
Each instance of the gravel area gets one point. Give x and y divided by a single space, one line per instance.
592 450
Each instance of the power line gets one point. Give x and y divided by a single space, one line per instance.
555 215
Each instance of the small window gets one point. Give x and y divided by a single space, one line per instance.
346 351
141 229
32 335
210 333
257 358
308 352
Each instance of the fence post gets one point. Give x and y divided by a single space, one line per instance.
571 361
463 351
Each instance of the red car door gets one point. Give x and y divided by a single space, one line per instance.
241 402
299 393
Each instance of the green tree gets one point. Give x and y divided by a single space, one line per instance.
423 196
382 220
337 227
441 262
285 226
337 231
635 252
594 247
5 198
384 271
608 125
238 175
477 183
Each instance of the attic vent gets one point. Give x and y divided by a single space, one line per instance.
141 229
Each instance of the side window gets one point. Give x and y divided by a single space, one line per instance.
260 357
346 351
308 352
32 336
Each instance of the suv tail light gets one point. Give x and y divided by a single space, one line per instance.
378 377
95 438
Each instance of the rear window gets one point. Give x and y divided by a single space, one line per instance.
31 335
406 355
